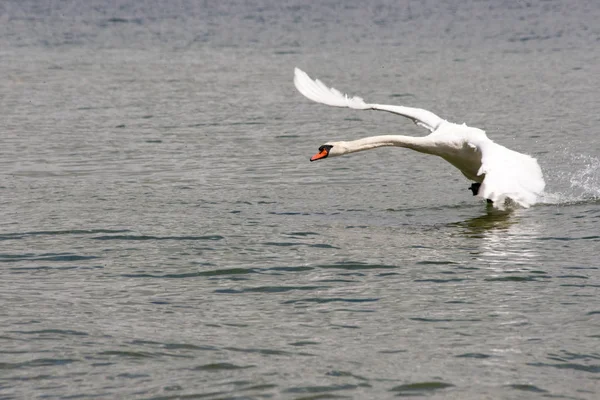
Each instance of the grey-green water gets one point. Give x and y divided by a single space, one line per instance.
163 235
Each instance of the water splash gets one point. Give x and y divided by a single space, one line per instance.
588 179
577 180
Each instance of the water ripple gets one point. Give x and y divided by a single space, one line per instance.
595 369
267 352
320 389
473 355
39 362
527 388
321 300
149 237
210 273
44 257
353 265
420 387
270 289
52 332
20 235
215 367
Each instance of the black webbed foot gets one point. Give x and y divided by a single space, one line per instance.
474 188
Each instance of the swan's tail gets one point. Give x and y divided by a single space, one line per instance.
317 91
510 175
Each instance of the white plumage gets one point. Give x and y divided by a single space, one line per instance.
504 175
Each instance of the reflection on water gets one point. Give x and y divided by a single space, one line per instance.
493 220
505 237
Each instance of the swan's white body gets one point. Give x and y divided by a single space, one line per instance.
503 173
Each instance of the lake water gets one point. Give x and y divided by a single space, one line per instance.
164 236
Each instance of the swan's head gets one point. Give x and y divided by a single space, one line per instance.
330 149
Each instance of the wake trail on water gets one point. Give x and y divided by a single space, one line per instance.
577 180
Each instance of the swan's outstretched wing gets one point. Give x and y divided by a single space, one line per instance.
319 92
509 174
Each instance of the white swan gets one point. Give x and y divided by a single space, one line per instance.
500 174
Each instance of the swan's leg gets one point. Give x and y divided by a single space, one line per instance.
475 189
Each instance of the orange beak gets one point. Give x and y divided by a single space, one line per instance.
322 154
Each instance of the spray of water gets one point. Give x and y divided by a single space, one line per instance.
573 179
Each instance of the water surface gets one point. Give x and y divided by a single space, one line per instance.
164 236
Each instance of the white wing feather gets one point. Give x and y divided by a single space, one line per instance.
317 91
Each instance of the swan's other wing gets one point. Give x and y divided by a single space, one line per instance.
509 174
317 91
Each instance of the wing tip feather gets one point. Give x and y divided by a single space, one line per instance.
319 92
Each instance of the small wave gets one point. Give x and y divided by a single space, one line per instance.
473 355
354 265
595 368
304 343
21 235
38 362
321 300
149 237
421 387
269 289
117 20
44 257
53 332
527 388
320 389
194 274
217 367
265 352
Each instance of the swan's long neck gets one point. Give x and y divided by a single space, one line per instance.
421 144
